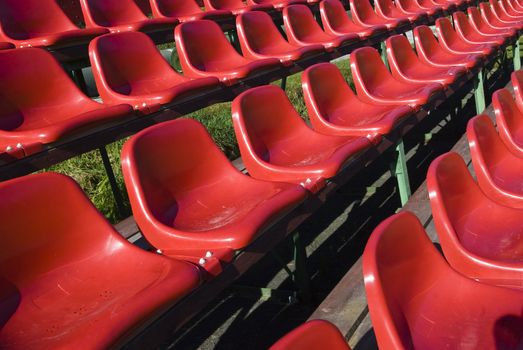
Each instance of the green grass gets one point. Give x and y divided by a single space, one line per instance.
88 170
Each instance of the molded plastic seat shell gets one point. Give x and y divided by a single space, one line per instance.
451 40
236 6
259 38
509 120
277 145
363 14
432 53
128 68
6 46
375 84
334 109
478 22
491 18
199 59
121 16
503 17
336 21
405 65
302 30
315 334
186 195
468 33
69 280
277 4
417 301
516 78
480 238
412 6
38 23
387 9
185 10
40 103
497 169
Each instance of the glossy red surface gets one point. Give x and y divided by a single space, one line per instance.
498 171
432 53
468 33
516 6
259 38
452 41
388 9
491 18
45 104
185 10
480 238
509 120
302 30
417 301
485 28
55 245
507 10
277 145
315 334
34 23
277 4
504 17
6 46
199 59
334 109
186 195
516 79
336 21
236 6
406 67
375 84
128 68
431 8
121 16
412 6
363 14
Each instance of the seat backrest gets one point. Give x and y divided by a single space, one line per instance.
258 30
367 66
446 33
333 12
461 22
107 13
313 334
223 4
174 8
385 6
487 13
516 78
484 141
23 19
425 41
124 59
44 88
508 115
325 90
475 17
47 222
400 52
361 9
163 162
395 273
299 17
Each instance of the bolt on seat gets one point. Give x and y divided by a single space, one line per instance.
199 59
469 34
45 105
313 334
259 38
336 21
128 68
407 67
452 41
375 84
334 109
302 29
277 145
40 23
388 9
69 280
121 16
432 53
364 15
509 120
480 238
485 28
185 10
236 6
417 301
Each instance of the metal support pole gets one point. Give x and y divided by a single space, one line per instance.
112 181
517 55
479 92
79 78
383 49
301 276
401 173
284 83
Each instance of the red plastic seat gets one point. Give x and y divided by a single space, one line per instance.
516 78
509 120
492 19
315 334
40 103
497 169
375 84
485 28
277 145
38 23
406 66
412 6
187 198
336 21
388 9
236 6
121 16
277 4
514 5
453 42
259 38
504 17
69 280
469 34
480 238
432 53
128 68
334 109
363 14
508 10
185 10
417 301
199 59
302 30
6 46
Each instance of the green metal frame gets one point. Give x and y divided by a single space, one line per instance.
517 55
479 92
400 171
383 51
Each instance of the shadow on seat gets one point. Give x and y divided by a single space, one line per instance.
315 334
